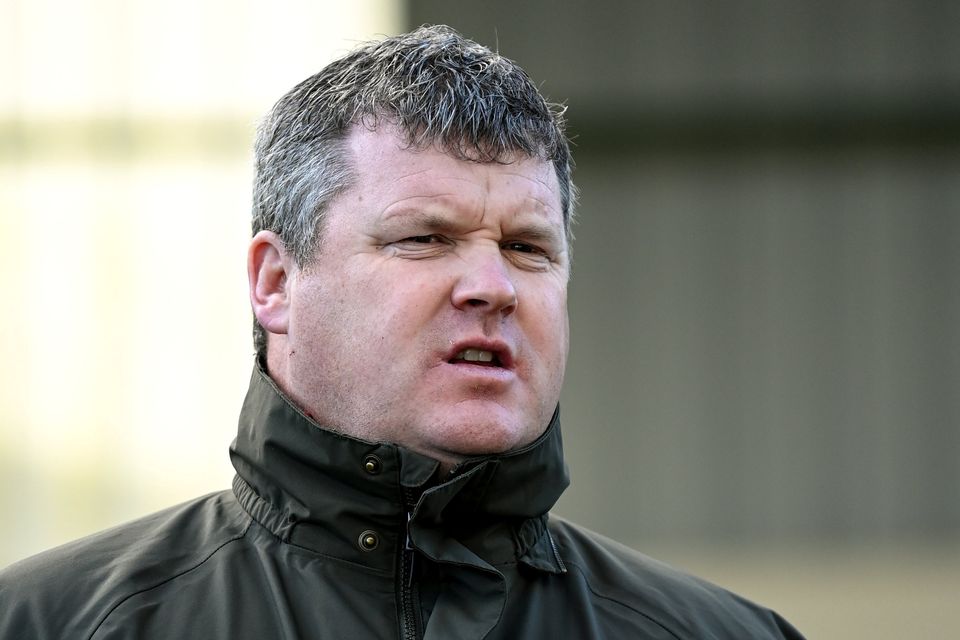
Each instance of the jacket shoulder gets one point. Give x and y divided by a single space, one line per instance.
71 589
683 605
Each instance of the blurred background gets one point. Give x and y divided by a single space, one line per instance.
765 309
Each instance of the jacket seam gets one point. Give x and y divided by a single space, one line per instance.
170 579
281 540
275 520
350 563
596 593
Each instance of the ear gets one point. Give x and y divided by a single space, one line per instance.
269 268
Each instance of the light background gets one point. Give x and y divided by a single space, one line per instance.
765 306
125 135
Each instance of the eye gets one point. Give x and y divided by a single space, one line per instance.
423 239
430 239
527 250
523 247
425 246
526 255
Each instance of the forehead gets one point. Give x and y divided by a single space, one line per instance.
385 165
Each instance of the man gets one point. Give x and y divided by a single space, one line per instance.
399 447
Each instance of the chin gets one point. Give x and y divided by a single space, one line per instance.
472 437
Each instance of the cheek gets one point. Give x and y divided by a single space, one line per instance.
326 314
413 301
547 327
388 325
550 313
565 340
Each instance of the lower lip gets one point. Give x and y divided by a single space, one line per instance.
479 371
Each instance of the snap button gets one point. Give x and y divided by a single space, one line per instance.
369 540
372 464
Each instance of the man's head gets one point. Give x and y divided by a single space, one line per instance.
412 204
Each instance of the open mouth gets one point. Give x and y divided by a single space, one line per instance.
477 356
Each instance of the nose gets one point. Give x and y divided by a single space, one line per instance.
485 284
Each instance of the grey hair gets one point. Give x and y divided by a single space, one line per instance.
436 87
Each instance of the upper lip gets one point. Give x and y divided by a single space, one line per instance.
501 350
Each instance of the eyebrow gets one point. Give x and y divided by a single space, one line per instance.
423 219
532 231
537 233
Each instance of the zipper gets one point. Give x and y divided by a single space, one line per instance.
408 618
556 553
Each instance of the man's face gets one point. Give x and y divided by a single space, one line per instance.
434 314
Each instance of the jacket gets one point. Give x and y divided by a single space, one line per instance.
326 536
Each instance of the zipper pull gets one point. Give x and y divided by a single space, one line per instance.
410 552
407 545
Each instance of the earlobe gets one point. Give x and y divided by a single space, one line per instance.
268 271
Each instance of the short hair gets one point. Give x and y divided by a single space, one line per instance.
436 87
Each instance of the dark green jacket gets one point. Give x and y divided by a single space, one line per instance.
325 536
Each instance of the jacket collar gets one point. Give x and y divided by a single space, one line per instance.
326 491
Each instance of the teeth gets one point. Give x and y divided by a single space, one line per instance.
475 355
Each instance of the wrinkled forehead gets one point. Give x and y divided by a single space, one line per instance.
384 162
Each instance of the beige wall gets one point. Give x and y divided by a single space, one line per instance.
124 217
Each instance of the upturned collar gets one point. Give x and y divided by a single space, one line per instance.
363 501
